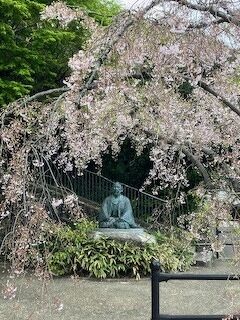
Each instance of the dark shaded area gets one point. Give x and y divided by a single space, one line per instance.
128 167
185 89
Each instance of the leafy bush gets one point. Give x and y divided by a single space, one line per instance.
72 250
182 244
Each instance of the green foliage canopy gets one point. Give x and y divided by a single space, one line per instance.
34 53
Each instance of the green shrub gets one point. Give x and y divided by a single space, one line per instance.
181 242
72 250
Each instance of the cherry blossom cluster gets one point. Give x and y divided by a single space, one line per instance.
61 12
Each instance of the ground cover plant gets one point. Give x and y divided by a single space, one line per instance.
72 250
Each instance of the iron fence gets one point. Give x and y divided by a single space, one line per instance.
96 188
158 276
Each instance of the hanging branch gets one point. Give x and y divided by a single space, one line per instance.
232 183
44 93
202 25
104 52
193 158
220 97
199 166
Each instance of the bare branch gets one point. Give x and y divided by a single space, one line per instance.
212 10
199 166
43 93
203 25
227 103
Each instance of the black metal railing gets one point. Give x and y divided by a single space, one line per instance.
95 187
158 276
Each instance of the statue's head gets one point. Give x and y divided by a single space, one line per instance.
117 189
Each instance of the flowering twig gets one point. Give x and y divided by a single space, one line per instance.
104 52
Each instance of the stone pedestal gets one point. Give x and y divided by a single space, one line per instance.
136 235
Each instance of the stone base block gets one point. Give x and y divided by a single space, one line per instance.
136 235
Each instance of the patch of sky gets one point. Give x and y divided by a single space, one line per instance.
169 11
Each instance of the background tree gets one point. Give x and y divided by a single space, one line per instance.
34 53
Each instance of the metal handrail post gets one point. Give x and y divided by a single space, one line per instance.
155 268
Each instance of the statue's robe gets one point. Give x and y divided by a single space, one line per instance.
116 215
